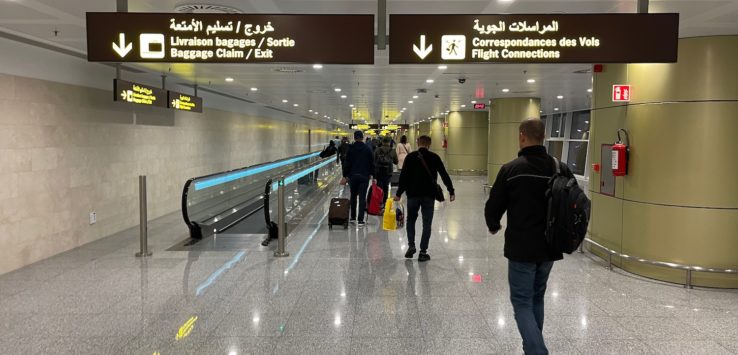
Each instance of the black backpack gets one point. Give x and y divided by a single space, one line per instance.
568 213
384 161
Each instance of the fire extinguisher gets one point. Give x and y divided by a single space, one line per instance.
620 154
445 143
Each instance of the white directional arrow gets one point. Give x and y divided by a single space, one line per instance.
423 51
122 48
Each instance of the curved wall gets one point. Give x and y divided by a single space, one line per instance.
679 201
467 142
504 120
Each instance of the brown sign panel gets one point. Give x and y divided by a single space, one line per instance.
534 38
184 102
230 38
138 94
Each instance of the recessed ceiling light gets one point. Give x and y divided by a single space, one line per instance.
560 97
317 66
429 81
310 110
254 89
317 113
443 67
473 102
337 89
505 90
284 101
404 108
531 81
589 90
229 79
351 105
343 96
415 96
295 105
410 101
556 108
462 106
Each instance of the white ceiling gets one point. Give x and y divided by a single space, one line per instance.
380 90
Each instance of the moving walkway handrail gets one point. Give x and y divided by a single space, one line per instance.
688 268
205 178
279 184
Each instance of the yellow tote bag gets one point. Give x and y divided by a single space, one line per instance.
389 221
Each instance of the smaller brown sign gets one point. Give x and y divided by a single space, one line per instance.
184 102
138 94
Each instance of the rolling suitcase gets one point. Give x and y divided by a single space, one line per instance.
395 179
338 212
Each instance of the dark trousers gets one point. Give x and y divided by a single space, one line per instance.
425 205
383 183
359 185
527 288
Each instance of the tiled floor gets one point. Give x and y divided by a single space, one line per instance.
343 292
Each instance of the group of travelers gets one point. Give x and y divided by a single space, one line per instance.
519 190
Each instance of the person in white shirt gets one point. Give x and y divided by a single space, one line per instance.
402 149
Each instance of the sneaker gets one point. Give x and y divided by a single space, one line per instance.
423 256
410 252
361 223
352 220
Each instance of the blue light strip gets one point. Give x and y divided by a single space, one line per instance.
215 275
292 178
214 181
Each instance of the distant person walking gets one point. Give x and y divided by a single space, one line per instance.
329 150
384 160
357 171
418 178
343 150
402 150
520 189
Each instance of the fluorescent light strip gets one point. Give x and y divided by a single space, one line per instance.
248 172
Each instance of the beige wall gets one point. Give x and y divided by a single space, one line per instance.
679 201
504 120
66 151
467 142
438 134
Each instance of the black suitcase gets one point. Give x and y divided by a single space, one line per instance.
395 179
338 212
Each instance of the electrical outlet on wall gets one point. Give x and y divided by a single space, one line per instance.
93 217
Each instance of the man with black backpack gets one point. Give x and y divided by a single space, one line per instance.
384 159
525 188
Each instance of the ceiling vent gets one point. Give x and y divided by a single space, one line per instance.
421 91
522 92
206 9
583 71
288 70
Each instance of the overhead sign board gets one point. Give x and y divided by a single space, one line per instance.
230 38
479 106
138 94
621 93
534 38
374 126
184 102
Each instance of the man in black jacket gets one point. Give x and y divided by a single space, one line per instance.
418 178
357 171
520 189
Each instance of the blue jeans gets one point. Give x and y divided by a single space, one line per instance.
425 204
383 181
527 288
358 184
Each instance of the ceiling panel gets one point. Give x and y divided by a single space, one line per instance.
379 90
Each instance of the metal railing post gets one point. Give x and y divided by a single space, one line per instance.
143 218
688 284
609 260
281 220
